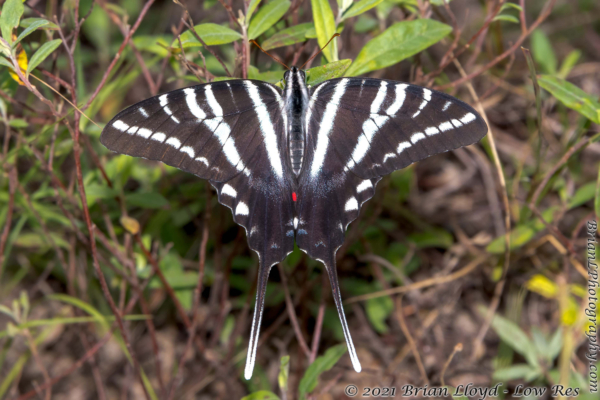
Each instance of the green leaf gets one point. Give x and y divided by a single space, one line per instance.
267 16
27 22
40 22
378 309
568 63
284 374
251 9
6 63
506 6
267 76
572 97
555 345
433 238
359 8
9 20
261 395
507 18
597 200
211 34
146 200
325 27
514 336
309 381
157 44
18 123
289 36
582 195
331 70
543 54
397 43
40 55
522 233
517 371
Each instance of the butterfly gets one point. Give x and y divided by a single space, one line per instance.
294 164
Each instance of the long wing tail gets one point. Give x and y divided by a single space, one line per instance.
263 277
337 298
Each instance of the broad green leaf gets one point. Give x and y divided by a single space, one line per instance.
582 195
397 43
39 23
267 16
211 34
331 70
325 27
42 53
146 200
543 54
514 336
157 44
288 36
517 371
251 9
9 20
507 18
572 96
261 395
360 7
27 22
309 381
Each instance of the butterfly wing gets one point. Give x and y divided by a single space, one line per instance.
229 133
359 130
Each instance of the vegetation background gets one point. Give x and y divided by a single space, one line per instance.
123 278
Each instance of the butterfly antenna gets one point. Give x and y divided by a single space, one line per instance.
277 60
322 48
261 288
337 298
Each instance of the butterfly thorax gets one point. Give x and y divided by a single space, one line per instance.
296 100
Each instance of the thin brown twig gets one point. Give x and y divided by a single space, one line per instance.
413 346
292 313
438 280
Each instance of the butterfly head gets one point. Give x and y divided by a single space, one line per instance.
294 75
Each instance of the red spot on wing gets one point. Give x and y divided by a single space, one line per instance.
294 197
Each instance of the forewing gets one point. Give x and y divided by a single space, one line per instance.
210 130
381 126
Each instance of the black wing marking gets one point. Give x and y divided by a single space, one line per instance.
359 130
229 133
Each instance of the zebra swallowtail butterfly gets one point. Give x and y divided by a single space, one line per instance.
294 164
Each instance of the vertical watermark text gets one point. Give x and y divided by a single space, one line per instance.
591 310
